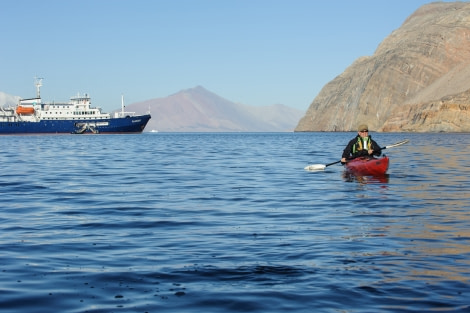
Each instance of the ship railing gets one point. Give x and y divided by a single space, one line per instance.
8 111
123 114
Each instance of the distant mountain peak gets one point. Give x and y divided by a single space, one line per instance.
6 99
197 88
194 90
200 110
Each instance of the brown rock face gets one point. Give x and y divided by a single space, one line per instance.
417 80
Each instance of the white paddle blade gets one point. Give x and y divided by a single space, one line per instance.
315 167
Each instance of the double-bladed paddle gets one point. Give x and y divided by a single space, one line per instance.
321 167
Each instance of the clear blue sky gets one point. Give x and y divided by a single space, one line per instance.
255 52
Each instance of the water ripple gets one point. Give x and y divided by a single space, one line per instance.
230 223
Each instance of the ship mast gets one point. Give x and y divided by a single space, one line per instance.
38 83
122 105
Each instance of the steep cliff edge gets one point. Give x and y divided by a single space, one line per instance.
417 80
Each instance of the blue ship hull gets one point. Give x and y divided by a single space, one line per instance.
128 124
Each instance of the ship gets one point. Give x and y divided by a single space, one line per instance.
32 116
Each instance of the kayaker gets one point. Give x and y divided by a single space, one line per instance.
361 145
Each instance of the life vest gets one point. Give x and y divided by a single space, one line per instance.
359 145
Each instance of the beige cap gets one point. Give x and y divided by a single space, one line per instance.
362 127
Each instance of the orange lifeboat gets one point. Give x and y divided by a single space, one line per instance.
24 110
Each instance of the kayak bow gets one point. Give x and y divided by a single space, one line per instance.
368 166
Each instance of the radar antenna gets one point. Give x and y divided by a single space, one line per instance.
38 83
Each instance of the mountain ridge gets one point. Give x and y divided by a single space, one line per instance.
9 100
199 110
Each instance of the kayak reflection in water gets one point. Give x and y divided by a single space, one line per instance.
375 179
361 145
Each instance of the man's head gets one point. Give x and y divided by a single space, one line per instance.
363 130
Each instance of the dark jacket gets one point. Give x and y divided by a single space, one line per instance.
354 148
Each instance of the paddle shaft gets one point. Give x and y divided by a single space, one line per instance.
332 163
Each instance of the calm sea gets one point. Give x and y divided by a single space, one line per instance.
193 222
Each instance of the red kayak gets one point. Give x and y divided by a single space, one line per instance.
365 166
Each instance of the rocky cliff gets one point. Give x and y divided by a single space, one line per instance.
417 80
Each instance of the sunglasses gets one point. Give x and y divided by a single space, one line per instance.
364 131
